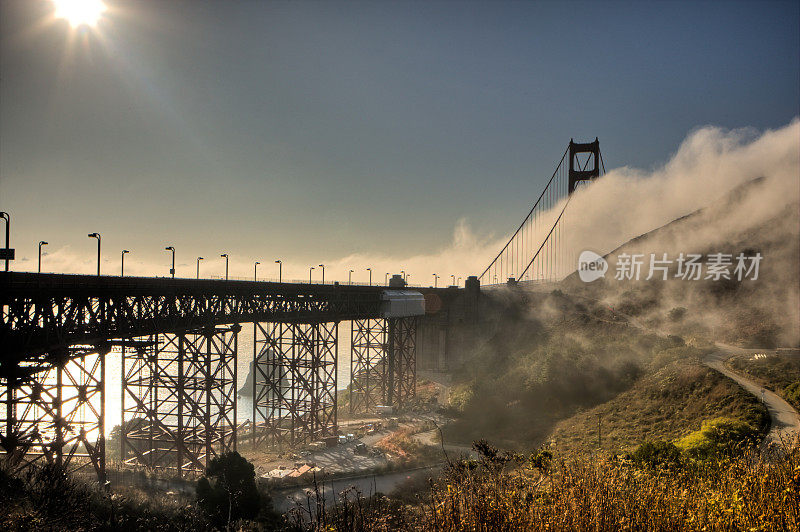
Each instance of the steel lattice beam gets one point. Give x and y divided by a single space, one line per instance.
42 312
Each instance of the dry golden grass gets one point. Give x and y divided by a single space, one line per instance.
601 492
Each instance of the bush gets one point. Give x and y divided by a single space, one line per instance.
719 437
792 393
657 455
677 314
228 491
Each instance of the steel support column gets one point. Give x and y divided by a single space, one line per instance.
402 361
54 411
294 385
179 399
383 363
368 368
403 338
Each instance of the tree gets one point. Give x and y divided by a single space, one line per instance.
228 490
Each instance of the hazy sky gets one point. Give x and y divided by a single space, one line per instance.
312 131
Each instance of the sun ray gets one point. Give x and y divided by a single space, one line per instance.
79 12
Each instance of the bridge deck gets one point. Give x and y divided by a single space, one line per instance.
42 312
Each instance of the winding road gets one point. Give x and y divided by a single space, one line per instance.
784 420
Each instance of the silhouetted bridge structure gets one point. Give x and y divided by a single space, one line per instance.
178 340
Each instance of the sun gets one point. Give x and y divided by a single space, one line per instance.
78 12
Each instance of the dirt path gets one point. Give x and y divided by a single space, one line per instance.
785 422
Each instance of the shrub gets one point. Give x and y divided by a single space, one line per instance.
228 491
718 437
657 454
677 314
792 393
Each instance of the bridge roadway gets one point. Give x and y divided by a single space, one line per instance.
46 312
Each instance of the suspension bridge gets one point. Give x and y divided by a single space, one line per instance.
178 341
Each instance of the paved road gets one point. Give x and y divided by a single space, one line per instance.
366 485
785 422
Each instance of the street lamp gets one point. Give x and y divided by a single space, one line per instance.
350 277
458 283
171 270
370 276
97 236
280 267
454 279
122 263
323 272
311 269
198 266
404 274
386 279
7 253
255 271
41 243
407 277
226 265
435 280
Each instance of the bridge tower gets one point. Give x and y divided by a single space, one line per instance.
587 170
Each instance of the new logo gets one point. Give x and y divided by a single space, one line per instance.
591 266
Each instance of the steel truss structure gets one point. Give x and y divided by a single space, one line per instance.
368 368
403 356
294 384
42 312
383 363
179 399
54 411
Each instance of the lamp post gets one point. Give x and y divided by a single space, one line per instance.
280 267
122 263
171 270
311 269
370 276
407 277
454 279
350 277
386 279
323 272
404 274
255 271
458 283
41 243
198 266
226 265
7 252
435 280
97 236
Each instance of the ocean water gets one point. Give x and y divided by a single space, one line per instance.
244 356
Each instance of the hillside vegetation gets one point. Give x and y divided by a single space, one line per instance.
543 365
667 405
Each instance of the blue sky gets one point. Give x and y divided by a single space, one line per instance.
312 131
